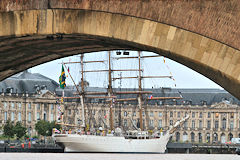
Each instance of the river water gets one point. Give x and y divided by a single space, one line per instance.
99 156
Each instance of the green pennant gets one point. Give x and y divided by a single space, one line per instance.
62 79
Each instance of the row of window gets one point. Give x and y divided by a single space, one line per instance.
201 114
5 104
151 114
19 114
216 124
160 114
12 105
200 137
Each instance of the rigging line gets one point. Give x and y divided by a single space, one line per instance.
164 61
120 66
147 69
128 74
77 68
180 94
105 55
136 66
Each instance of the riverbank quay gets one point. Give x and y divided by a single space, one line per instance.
109 156
187 148
215 148
204 148
34 148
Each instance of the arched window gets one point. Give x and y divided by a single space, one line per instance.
199 137
223 138
192 137
215 137
208 137
224 121
171 114
185 136
177 137
230 136
125 123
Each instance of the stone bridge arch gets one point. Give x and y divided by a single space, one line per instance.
32 37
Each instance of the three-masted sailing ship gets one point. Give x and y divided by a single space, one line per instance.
139 141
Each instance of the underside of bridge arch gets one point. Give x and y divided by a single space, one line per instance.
32 37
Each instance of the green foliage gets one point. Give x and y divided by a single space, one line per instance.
51 126
19 130
35 136
8 129
44 128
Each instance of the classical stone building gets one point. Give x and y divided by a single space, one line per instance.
27 97
215 123
28 109
214 114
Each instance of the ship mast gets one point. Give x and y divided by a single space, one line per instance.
140 89
82 94
110 92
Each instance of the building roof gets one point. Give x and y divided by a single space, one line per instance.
192 96
26 82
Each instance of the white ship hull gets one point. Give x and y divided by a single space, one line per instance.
111 144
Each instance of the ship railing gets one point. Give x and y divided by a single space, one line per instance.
136 134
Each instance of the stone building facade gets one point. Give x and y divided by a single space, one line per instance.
28 109
214 114
215 123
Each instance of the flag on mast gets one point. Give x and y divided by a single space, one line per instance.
62 79
150 97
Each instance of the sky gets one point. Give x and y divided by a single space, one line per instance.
183 77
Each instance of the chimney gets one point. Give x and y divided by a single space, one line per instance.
2 91
43 87
26 94
9 90
37 88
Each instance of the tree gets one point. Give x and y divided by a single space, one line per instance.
44 128
51 126
19 130
8 129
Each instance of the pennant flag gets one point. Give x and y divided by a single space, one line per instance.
105 116
62 79
68 69
150 97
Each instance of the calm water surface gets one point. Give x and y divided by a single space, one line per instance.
98 156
